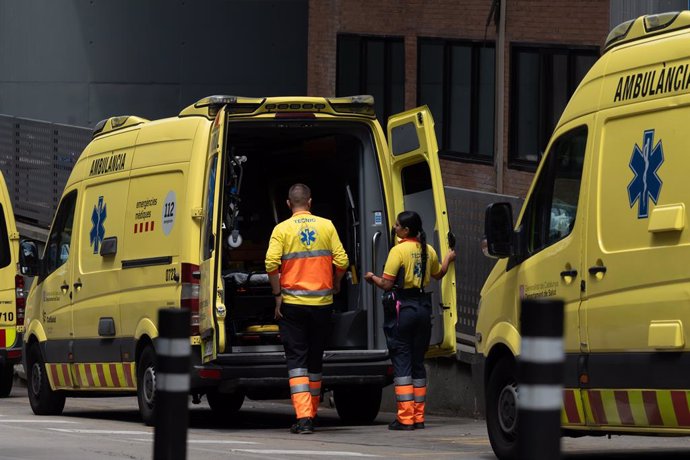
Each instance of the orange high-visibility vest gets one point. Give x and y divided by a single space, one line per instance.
305 247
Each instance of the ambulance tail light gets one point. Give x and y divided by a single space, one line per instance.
20 298
189 298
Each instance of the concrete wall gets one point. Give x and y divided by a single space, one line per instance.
79 61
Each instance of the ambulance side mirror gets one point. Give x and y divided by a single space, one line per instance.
28 258
498 230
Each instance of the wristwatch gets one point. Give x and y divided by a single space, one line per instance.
278 294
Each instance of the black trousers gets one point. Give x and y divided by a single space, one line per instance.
408 337
304 330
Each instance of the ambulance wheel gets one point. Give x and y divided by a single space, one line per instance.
43 400
6 380
224 404
501 409
358 405
146 384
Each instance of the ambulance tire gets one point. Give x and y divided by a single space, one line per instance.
43 400
6 380
225 404
359 404
146 385
501 409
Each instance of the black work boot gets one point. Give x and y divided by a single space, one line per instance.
395 425
303 426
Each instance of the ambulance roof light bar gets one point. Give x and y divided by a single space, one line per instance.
646 26
362 104
210 105
115 123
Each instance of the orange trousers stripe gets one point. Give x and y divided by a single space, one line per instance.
419 404
301 397
404 394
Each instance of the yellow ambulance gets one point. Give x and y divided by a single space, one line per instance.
178 213
11 294
603 228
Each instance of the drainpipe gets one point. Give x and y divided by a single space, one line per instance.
500 96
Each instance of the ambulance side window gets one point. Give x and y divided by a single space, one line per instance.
208 242
59 240
552 208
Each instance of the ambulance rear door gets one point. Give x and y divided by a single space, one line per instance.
211 303
417 186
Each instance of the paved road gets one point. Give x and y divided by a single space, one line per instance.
109 428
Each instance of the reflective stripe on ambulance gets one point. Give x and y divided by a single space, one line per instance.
626 408
101 376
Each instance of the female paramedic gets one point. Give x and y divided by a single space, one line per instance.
407 314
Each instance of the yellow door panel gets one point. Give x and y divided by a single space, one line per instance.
639 274
211 306
417 185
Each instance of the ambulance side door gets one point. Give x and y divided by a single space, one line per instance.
211 302
8 269
55 283
96 286
417 185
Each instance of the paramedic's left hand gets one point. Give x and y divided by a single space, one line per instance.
277 314
369 277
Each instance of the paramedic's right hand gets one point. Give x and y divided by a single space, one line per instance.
277 314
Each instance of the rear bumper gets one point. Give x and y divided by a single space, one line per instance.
266 370
12 355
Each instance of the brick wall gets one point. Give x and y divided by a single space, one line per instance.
582 22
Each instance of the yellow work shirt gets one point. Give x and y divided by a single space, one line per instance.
408 254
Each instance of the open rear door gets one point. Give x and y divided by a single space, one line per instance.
211 302
417 186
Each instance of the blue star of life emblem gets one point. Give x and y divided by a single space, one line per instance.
307 236
98 216
645 163
417 272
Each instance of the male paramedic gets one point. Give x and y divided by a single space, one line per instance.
300 258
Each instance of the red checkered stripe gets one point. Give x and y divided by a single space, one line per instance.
102 376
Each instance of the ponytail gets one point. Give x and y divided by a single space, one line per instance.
413 222
422 241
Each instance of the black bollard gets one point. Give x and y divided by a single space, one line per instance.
540 380
171 413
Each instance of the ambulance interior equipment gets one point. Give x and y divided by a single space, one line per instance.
267 158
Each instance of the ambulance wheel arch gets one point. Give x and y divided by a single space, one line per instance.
146 379
145 358
501 402
42 398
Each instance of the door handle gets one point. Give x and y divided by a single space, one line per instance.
77 285
597 269
571 273
64 287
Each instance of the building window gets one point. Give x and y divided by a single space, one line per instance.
456 79
372 65
542 81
